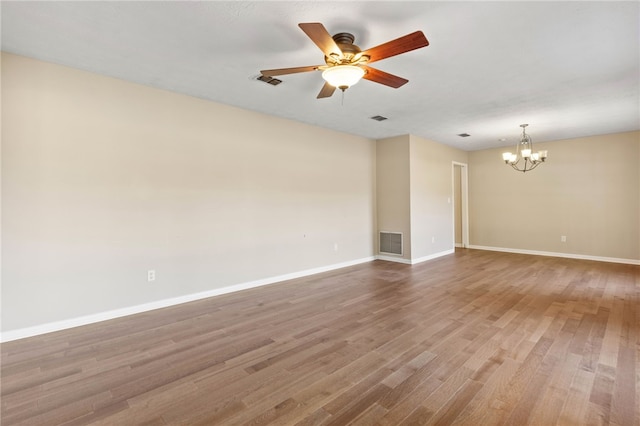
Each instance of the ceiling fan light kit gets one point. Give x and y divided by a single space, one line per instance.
346 64
343 76
524 152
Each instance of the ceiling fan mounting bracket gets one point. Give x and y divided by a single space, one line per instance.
344 38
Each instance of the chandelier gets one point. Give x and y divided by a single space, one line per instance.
524 152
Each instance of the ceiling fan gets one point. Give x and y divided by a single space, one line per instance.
346 64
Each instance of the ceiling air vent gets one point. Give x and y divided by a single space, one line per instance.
378 118
272 81
391 243
464 135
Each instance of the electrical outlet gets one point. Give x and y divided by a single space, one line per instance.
563 238
151 275
433 239
335 246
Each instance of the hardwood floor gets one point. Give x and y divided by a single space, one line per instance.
473 338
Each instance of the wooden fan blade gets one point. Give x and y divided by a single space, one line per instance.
375 75
395 47
321 37
283 71
326 91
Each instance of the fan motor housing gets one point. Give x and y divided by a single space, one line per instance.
345 43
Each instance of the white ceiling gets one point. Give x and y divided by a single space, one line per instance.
569 69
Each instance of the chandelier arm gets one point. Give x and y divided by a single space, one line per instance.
535 165
532 164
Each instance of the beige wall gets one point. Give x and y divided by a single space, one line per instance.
432 217
589 191
415 193
103 180
392 185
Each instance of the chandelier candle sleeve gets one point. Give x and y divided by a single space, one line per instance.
524 152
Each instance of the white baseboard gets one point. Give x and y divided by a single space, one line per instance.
432 256
414 261
393 259
117 313
555 254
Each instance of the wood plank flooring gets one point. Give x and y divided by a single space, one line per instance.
473 338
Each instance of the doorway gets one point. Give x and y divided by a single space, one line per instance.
460 197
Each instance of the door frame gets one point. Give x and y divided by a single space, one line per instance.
464 196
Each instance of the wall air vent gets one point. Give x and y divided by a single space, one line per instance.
391 243
378 118
272 81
